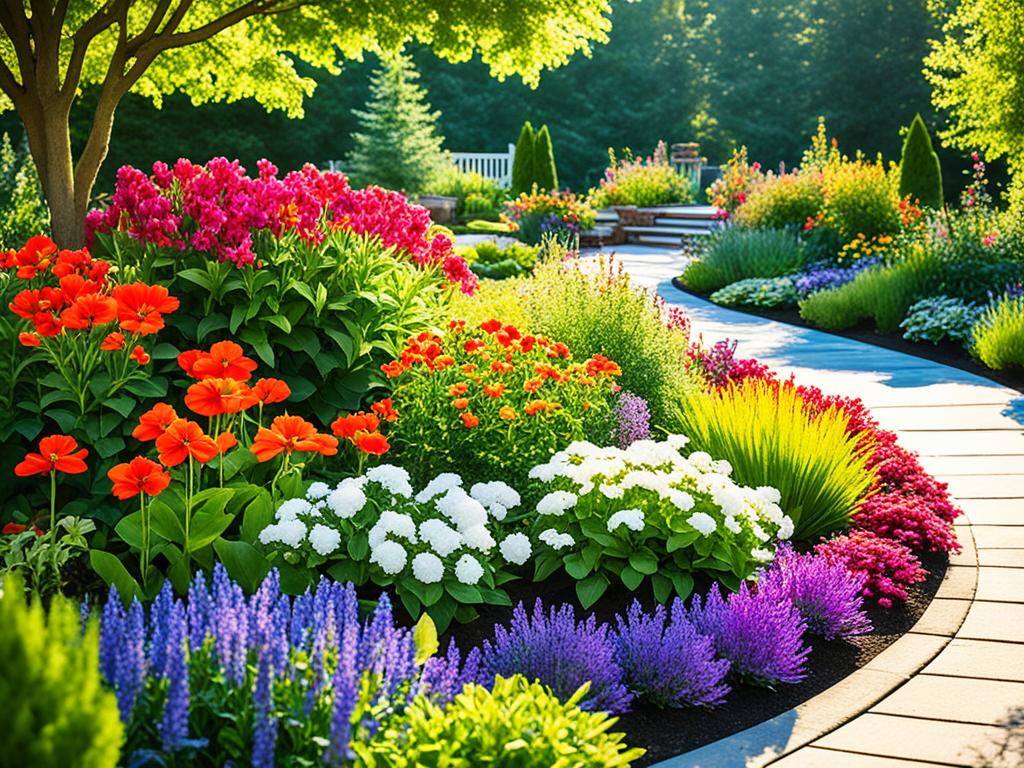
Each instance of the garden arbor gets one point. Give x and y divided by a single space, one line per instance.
54 51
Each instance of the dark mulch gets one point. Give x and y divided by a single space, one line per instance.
666 732
945 352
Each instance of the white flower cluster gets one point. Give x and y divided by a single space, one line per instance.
670 478
418 531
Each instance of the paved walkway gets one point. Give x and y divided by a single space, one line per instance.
942 694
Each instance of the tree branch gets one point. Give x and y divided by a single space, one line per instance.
83 38
14 23
208 30
9 84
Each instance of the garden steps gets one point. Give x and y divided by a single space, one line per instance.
940 694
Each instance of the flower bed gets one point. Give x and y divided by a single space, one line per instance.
486 479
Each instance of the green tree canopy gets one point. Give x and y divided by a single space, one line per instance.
225 50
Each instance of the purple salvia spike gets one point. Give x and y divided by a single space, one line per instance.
173 726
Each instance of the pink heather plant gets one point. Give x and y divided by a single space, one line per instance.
908 520
216 208
888 566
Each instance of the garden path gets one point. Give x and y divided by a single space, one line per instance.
943 694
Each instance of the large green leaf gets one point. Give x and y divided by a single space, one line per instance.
243 562
113 573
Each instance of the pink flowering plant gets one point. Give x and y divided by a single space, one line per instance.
323 281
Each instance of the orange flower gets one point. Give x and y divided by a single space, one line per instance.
113 342
469 368
154 422
89 309
457 326
225 442
501 366
532 385
139 355
141 307
184 439
140 475
385 410
225 360
349 426
460 403
212 397
57 453
291 433
474 345
187 360
490 326
34 256
457 389
28 339
527 342
269 391
494 390
46 324
393 369
537 406
469 420
507 413
443 361
373 443
600 365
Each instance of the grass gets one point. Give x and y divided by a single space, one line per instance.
998 337
738 254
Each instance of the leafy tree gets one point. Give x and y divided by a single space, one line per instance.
226 50
397 146
522 163
920 171
544 172
977 71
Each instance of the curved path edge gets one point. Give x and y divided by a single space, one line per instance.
945 693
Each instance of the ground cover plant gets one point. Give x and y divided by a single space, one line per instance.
738 254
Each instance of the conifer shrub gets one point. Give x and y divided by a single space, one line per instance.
522 163
545 174
920 171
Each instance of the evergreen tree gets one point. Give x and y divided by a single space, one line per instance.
522 163
397 146
544 171
920 172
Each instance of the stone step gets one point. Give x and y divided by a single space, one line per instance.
679 231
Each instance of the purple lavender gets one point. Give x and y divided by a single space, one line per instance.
669 663
633 417
760 636
444 677
173 726
159 626
826 594
822 276
199 609
561 654
265 724
130 673
346 697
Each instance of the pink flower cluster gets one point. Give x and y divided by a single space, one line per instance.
216 208
887 566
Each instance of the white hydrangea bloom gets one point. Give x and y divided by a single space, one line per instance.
317 491
769 494
291 532
556 503
479 538
611 491
677 441
292 508
462 509
346 500
323 539
762 555
496 497
681 499
390 556
442 538
440 484
786 527
759 533
556 540
428 568
467 570
723 467
516 548
399 524
703 522
732 524
543 472
633 519
701 460
394 479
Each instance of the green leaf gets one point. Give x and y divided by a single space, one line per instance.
681 540
589 590
197 276
257 516
113 573
206 527
123 405
411 602
442 612
129 528
166 522
358 546
576 567
281 322
243 562
257 339
683 583
164 351
108 446
424 637
215 322
631 578
464 593
644 561
662 587
345 570
545 565
65 419
152 387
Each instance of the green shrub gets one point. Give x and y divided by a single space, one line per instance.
860 199
782 201
545 174
489 261
764 432
998 337
641 181
757 292
737 254
523 173
882 294
23 213
940 318
57 711
920 171
516 724
475 193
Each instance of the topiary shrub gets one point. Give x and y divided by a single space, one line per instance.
545 175
920 171
57 711
522 163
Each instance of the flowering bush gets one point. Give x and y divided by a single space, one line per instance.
761 636
634 420
562 214
442 549
765 292
666 661
823 276
781 201
647 513
552 648
731 190
494 401
888 567
906 519
268 675
641 181
862 248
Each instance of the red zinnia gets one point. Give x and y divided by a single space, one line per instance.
28 339
349 426
34 256
139 355
140 475
12 528
225 360
269 391
291 433
140 307
57 453
154 422
89 309
385 410
373 443
113 342
184 439
212 397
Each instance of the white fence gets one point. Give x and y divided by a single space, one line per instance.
492 165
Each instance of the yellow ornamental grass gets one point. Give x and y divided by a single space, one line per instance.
767 435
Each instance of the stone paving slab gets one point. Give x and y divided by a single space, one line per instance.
962 443
994 511
945 467
957 699
960 582
939 417
1001 558
994 621
999 536
987 486
815 757
1001 585
943 617
981 659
